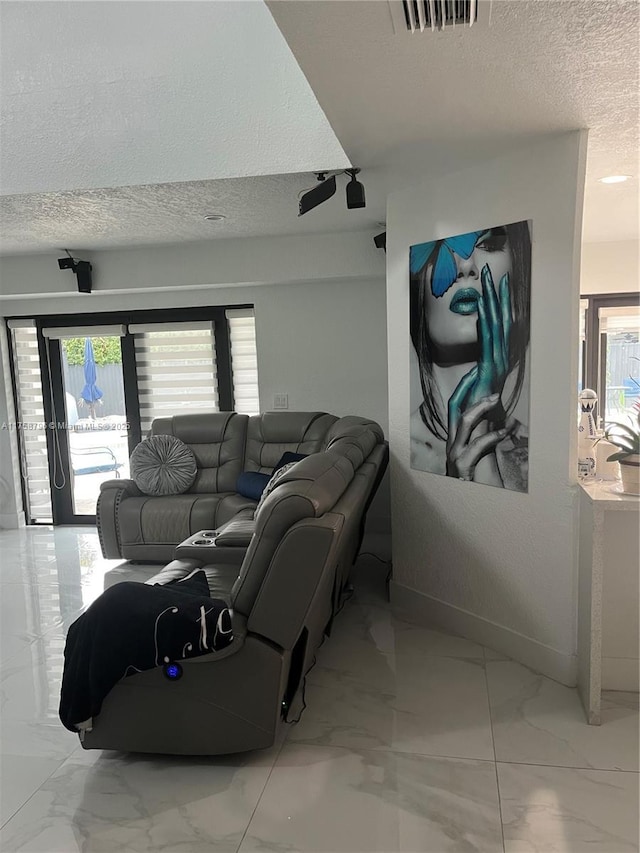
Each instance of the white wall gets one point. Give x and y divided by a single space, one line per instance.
610 267
497 565
215 263
321 338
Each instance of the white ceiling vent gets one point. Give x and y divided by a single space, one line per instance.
421 15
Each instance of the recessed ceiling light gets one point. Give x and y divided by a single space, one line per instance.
214 217
614 179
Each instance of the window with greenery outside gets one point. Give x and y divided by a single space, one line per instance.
106 350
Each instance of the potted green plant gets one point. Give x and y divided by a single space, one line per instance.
627 438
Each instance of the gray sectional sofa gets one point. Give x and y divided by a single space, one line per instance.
283 592
145 528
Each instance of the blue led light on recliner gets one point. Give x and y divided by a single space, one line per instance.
173 671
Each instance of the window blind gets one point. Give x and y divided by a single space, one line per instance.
176 367
32 437
244 360
54 333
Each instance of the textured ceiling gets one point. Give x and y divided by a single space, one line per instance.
416 105
109 94
173 213
528 67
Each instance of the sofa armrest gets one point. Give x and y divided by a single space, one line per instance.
127 486
228 549
112 492
236 533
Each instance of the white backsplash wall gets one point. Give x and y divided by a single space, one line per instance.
497 564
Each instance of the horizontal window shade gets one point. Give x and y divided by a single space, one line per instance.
30 410
164 328
85 332
170 407
193 351
170 370
150 385
244 360
21 324
176 368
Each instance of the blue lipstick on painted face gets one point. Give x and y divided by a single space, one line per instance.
465 301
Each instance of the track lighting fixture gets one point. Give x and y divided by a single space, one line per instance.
355 190
380 241
81 270
327 187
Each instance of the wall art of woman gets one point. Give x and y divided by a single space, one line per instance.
469 298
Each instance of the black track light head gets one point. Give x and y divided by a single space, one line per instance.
355 190
81 270
325 189
380 241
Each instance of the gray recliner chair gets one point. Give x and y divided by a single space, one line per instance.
148 527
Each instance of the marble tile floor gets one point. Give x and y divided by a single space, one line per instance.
412 740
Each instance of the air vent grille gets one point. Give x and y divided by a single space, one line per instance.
436 14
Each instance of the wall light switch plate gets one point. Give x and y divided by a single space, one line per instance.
280 401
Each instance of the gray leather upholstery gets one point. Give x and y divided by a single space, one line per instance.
351 425
238 532
307 491
357 446
225 702
273 433
229 542
157 524
284 595
216 440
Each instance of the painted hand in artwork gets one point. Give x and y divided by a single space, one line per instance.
477 399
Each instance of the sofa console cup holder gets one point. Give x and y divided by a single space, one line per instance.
202 542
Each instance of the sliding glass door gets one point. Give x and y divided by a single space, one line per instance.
95 416
89 424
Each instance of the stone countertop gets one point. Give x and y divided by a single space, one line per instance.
609 495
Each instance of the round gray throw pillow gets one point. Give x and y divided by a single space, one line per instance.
163 465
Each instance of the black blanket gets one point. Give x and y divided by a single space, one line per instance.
132 627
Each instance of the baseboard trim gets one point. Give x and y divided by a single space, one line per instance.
12 520
544 659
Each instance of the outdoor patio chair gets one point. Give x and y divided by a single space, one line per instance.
95 467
